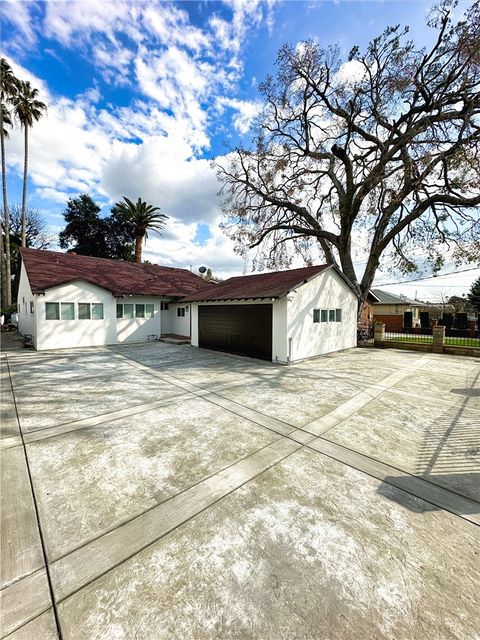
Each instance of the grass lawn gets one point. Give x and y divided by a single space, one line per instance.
453 342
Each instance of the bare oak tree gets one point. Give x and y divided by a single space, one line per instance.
381 151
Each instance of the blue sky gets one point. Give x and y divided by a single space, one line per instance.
142 95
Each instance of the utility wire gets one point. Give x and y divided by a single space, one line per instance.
440 275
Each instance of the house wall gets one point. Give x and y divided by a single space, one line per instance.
394 310
59 334
308 339
179 326
27 321
138 329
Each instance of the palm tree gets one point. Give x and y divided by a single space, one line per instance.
28 110
142 217
8 90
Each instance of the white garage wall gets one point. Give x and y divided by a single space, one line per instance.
325 291
280 342
59 334
27 321
138 329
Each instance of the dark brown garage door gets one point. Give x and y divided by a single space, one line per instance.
244 329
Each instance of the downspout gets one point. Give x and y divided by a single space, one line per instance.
289 359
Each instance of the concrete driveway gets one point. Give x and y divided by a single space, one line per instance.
186 494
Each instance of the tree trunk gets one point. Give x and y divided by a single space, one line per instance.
24 195
138 248
4 271
6 266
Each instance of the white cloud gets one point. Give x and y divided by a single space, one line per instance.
19 14
178 249
163 171
246 111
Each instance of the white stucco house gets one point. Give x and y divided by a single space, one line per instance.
283 316
66 300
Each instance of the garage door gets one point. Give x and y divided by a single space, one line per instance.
243 329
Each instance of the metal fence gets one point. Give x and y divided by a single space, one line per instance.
365 333
410 335
453 337
459 338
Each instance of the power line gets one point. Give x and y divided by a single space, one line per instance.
441 275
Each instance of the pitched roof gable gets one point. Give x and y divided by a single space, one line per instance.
385 297
47 269
261 285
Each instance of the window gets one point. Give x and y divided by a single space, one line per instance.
84 311
163 306
338 315
119 310
180 312
91 311
324 315
316 315
149 310
32 307
139 310
97 311
52 311
67 311
128 311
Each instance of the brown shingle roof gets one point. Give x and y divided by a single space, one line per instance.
46 269
262 285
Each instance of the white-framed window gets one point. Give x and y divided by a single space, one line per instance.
128 311
58 310
149 310
67 311
32 306
140 311
327 315
52 311
97 310
90 310
163 306
180 312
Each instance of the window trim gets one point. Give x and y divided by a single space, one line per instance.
181 312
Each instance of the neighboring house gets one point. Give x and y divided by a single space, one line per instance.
283 316
67 300
390 309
